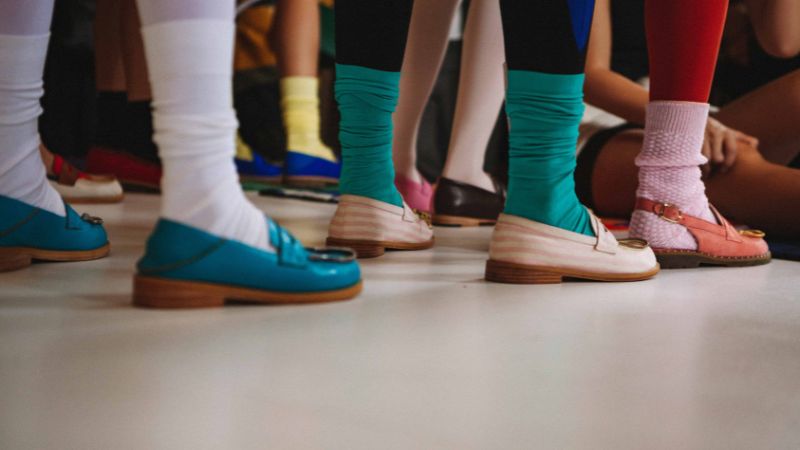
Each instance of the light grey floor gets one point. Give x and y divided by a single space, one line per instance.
428 357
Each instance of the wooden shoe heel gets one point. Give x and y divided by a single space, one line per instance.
501 272
159 293
13 259
363 249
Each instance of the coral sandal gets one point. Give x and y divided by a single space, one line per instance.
718 244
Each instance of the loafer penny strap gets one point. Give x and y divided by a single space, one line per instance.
289 250
606 242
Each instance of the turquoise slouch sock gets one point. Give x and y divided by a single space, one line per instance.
544 111
367 98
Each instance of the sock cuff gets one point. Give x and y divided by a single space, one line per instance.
299 86
546 84
677 117
351 78
674 134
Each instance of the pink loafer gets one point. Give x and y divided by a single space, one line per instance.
417 195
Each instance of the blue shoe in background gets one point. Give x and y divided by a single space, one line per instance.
28 233
256 169
185 267
302 169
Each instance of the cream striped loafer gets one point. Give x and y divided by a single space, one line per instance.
370 227
526 252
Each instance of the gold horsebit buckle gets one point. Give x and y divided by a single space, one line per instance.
661 212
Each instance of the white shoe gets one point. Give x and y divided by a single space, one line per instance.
371 226
527 252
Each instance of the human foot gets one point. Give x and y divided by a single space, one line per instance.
186 267
28 233
523 251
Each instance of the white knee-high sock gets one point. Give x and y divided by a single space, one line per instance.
22 173
190 66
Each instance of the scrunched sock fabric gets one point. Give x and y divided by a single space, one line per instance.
23 48
544 111
669 171
190 63
300 105
367 98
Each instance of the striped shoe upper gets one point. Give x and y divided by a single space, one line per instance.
522 241
363 218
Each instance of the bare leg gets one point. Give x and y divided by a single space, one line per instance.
739 193
137 82
480 95
427 42
109 71
297 37
770 113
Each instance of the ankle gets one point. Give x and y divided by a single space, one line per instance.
479 179
409 173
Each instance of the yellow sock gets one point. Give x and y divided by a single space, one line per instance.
243 151
300 105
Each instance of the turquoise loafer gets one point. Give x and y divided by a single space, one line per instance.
185 267
28 233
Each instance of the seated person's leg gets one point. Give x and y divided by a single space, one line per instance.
771 113
747 193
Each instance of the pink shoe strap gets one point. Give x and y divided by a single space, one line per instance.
699 228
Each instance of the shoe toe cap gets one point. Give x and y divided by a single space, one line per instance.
330 275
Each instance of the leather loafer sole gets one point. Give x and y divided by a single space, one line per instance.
260 179
152 292
13 258
506 272
445 220
78 200
311 181
687 259
372 249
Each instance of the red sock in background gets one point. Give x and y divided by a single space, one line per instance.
683 38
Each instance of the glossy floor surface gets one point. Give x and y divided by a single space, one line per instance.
428 357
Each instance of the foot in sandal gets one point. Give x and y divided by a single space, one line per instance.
710 243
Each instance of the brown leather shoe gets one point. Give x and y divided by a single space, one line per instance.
464 205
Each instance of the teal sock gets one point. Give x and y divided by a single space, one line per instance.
544 111
367 98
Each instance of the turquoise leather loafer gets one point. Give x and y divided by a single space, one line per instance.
185 267
28 233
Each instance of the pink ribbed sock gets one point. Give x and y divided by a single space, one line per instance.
669 171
